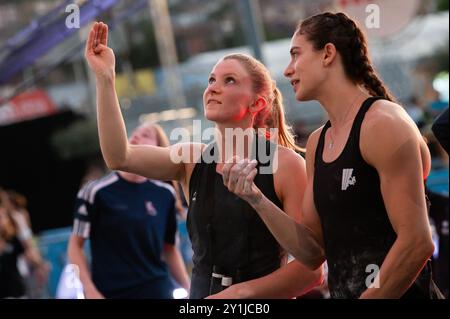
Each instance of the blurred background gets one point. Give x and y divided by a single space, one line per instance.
165 50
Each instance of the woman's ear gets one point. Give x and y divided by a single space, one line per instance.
329 54
259 104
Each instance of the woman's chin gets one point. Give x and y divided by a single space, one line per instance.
302 97
211 116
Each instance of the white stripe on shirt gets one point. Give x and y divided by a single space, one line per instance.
165 185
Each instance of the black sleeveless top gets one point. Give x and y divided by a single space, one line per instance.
225 231
356 229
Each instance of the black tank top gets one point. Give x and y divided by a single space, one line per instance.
356 229
225 231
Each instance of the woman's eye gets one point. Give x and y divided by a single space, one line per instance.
211 80
229 80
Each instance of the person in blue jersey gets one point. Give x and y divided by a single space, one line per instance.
130 222
365 209
235 255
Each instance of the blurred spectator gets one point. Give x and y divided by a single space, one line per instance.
440 129
437 106
94 171
35 277
301 133
131 224
16 241
415 111
439 157
439 218
437 190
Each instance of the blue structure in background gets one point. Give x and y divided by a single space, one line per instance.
185 245
53 245
437 181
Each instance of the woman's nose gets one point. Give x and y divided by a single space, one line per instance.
214 87
288 71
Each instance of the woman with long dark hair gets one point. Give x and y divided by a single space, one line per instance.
365 209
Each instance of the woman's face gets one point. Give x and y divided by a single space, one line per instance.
144 135
229 93
3 218
305 70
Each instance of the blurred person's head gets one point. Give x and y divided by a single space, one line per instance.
7 226
326 45
5 199
149 134
241 93
153 134
94 171
414 100
18 200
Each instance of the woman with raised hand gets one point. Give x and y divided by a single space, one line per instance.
235 255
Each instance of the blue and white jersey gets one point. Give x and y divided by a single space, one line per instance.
127 224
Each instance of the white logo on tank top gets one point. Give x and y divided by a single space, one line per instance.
347 178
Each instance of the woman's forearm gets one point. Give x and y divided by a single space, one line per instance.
290 281
111 126
297 239
400 268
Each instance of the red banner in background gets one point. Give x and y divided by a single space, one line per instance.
26 106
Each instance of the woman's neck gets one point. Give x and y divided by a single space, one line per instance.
133 178
343 102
